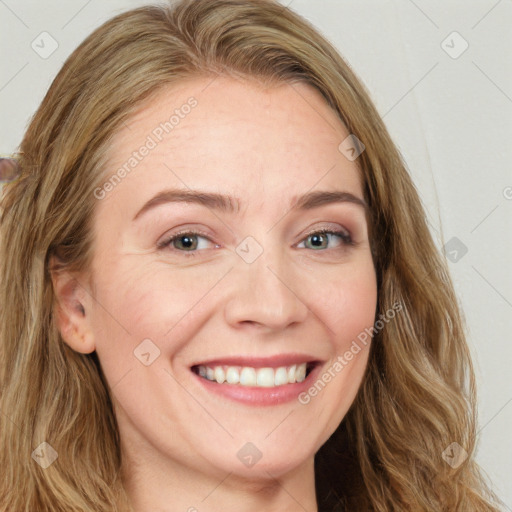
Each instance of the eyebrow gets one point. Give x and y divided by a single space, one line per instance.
231 204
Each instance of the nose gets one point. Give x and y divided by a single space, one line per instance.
265 293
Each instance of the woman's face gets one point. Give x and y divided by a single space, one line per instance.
259 295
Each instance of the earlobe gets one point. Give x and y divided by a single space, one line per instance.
70 312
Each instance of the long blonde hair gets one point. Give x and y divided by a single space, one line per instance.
418 395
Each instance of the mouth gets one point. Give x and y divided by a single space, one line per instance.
258 381
250 376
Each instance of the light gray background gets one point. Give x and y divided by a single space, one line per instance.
449 114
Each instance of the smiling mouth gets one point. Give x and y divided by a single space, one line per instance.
248 376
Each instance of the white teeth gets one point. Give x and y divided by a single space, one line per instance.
248 377
300 373
232 376
260 377
265 377
220 375
280 376
291 373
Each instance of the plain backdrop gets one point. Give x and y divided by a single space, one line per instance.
440 74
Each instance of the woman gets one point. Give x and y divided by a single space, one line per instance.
219 289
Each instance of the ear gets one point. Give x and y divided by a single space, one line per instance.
72 309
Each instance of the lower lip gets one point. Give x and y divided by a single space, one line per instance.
252 395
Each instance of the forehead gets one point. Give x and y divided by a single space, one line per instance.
229 135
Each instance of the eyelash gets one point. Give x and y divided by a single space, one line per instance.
166 243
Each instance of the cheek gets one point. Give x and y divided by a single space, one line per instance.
348 309
346 305
136 303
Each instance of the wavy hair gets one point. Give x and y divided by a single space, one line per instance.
418 393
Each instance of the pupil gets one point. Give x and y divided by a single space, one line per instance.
187 241
317 240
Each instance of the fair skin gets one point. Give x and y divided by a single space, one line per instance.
304 297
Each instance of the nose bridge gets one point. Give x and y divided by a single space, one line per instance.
265 290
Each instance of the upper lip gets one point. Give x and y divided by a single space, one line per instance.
260 362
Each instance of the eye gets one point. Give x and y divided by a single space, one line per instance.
185 241
323 236
190 241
